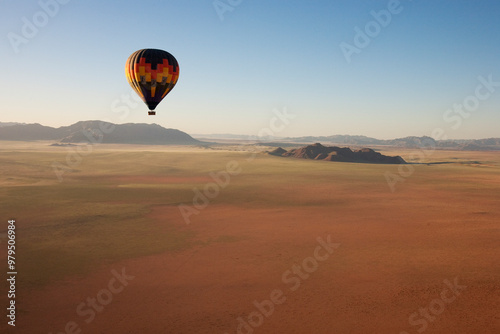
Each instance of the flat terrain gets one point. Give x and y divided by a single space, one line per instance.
400 236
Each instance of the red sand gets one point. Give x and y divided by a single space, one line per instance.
392 261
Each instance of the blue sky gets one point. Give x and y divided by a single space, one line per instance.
263 56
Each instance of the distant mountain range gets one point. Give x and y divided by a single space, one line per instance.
231 136
406 142
154 134
98 131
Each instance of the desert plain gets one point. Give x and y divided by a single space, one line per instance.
151 239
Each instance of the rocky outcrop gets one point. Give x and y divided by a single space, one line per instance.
341 154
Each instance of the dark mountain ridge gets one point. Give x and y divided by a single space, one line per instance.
99 131
341 154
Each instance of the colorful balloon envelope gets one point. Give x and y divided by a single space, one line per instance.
152 73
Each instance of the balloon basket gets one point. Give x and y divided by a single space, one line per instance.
151 112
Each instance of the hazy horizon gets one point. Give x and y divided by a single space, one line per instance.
256 134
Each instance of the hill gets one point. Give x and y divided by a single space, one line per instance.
341 154
103 132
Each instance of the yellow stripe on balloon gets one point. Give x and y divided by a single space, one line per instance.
136 76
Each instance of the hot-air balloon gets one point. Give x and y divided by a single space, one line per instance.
152 73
